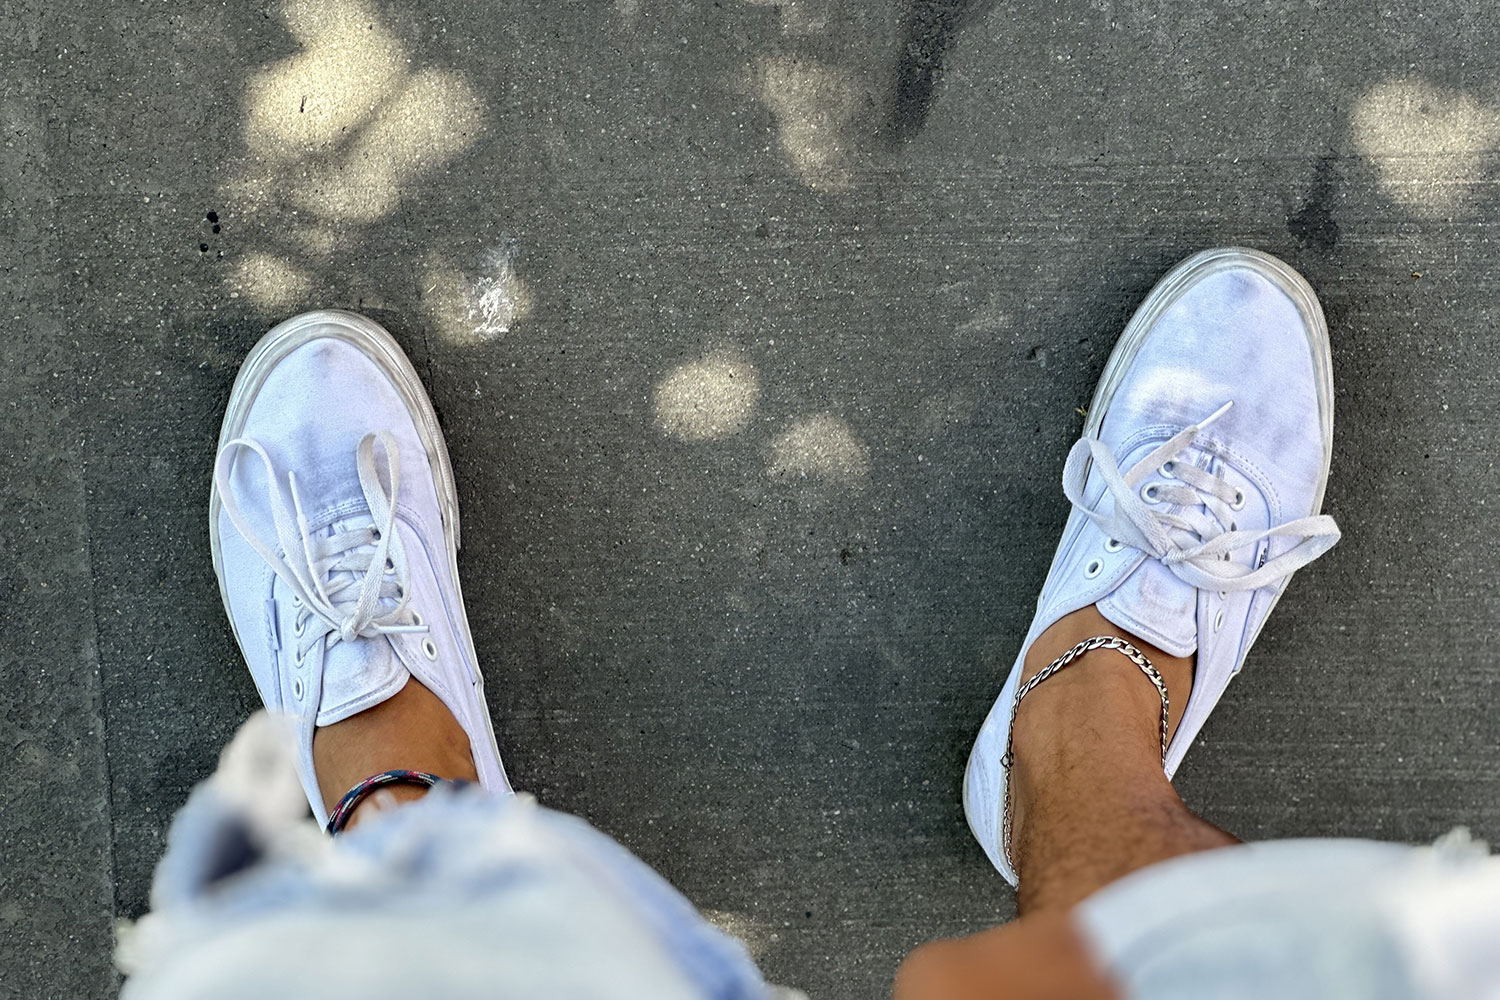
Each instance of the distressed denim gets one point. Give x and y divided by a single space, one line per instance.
1305 920
461 894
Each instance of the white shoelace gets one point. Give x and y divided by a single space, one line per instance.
348 585
1196 541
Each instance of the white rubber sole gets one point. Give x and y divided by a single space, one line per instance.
994 734
372 340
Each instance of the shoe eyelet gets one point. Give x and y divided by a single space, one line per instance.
296 601
1148 492
375 534
1239 500
1167 467
1219 620
1223 595
416 617
390 567
1094 568
429 649
1113 545
299 626
297 688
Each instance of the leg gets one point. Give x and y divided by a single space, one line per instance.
1090 805
334 527
1041 957
1090 801
338 572
463 895
1196 492
412 731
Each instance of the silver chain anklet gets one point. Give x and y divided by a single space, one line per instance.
1086 646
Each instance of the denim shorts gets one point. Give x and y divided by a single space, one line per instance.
462 894
466 895
1304 920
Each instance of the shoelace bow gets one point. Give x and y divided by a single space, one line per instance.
1195 540
321 570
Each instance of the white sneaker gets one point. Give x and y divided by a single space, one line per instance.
334 526
1196 488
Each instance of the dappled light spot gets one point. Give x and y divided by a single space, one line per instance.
311 101
707 399
757 935
343 128
474 310
814 106
434 117
315 241
798 17
445 299
271 282
820 447
1428 143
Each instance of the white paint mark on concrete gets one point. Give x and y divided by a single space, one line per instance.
474 310
500 298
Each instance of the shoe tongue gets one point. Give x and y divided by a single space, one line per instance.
1154 604
361 673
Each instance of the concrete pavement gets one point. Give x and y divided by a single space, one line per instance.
757 331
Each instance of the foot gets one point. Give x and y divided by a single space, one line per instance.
1196 490
334 527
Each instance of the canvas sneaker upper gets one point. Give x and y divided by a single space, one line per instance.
1196 488
335 534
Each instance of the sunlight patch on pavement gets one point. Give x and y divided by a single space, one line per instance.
820 447
1428 143
707 399
315 241
336 134
798 17
271 282
814 106
309 102
433 119
347 125
757 935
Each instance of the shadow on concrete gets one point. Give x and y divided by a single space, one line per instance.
927 32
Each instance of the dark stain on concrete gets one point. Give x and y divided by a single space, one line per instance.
928 30
1313 225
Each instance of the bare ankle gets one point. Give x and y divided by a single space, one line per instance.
1088 797
411 731
1092 729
